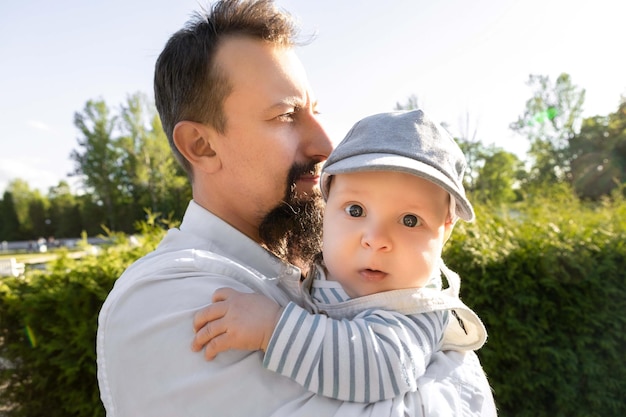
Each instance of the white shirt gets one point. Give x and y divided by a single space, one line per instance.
146 366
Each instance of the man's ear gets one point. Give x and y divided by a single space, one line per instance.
194 140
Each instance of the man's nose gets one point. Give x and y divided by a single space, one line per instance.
319 145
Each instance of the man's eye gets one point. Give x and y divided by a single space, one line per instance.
354 210
290 116
286 117
410 220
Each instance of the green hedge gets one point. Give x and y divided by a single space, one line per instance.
549 282
547 277
48 323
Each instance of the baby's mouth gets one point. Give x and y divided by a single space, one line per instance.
372 274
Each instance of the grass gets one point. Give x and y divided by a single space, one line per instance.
39 258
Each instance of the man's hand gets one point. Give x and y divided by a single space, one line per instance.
235 320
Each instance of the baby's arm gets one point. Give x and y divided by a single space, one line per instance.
377 355
235 320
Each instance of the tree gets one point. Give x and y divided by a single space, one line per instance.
473 149
22 196
92 213
9 222
167 184
599 154
98 160
497 177
155 179
134 118
38 215
127 165
64 212
550 120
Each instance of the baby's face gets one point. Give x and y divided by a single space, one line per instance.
383 230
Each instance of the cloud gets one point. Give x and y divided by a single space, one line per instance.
27 170
39 125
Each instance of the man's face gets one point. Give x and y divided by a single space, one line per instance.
271 127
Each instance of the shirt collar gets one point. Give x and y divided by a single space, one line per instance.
216 235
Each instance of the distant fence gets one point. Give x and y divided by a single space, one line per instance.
30 246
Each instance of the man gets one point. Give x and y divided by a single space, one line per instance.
240 117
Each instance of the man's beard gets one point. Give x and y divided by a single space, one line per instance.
293 230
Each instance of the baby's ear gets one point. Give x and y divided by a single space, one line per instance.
195 141
448 227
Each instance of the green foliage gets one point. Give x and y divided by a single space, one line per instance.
551 118
124 164
99 156
546 276
21 194
599 154
48 323
9 221
497 178
64 212
23 212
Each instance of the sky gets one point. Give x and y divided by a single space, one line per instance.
464 60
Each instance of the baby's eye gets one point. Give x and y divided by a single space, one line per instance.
354 210
410 220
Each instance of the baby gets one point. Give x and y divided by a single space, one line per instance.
372 311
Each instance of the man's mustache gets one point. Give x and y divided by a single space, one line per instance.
298 170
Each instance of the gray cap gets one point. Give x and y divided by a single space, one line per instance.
406 141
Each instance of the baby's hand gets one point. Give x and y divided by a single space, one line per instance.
235 320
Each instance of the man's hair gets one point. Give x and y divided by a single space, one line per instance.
188 83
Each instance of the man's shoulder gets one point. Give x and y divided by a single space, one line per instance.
181 265
181 268
176 254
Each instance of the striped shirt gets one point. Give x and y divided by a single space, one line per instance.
373 356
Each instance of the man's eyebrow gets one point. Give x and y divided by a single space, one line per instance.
293 101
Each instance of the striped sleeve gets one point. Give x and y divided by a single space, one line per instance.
375 356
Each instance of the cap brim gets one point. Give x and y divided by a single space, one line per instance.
387 162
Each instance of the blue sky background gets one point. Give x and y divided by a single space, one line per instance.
459 57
